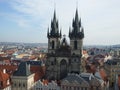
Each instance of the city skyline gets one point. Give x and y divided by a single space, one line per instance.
28 20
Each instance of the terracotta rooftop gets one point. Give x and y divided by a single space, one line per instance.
103 74
3 76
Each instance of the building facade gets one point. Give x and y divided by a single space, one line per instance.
22 79
63 58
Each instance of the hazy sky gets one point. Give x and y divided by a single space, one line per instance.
28 20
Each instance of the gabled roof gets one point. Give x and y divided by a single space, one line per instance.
23 70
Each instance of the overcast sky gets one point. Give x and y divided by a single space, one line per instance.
28 20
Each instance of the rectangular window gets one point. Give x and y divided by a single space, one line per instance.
75 45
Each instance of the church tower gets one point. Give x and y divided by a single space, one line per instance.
54 35
63 58
76 36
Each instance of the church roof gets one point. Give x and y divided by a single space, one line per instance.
23 70
73 78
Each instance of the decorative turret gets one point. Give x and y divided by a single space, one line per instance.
54 31
76 28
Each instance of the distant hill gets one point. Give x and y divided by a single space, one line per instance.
116 46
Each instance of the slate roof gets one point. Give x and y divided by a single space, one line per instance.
111 62
23 70
74 77
34 62
87 76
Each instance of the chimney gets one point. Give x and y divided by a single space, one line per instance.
4 70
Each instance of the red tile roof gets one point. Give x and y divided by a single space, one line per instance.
45 82
9 68
3 76
103 74
39 72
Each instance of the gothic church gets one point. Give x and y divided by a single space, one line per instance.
63 58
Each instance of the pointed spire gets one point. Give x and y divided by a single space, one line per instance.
60 33
76 15
82 29
54 30
69 31
80 22
76 27
48 32
54 17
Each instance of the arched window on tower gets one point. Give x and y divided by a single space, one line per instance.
53 44
75 44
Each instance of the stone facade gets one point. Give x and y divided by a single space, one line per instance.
63 58
22 79
23 82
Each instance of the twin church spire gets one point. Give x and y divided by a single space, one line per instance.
54 30
77 29
76 32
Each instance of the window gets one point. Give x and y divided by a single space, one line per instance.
97 88
53 44
74 88
14 84
19 85
75 44
23 85
77 88
62 87
66 88
86 88
81 88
